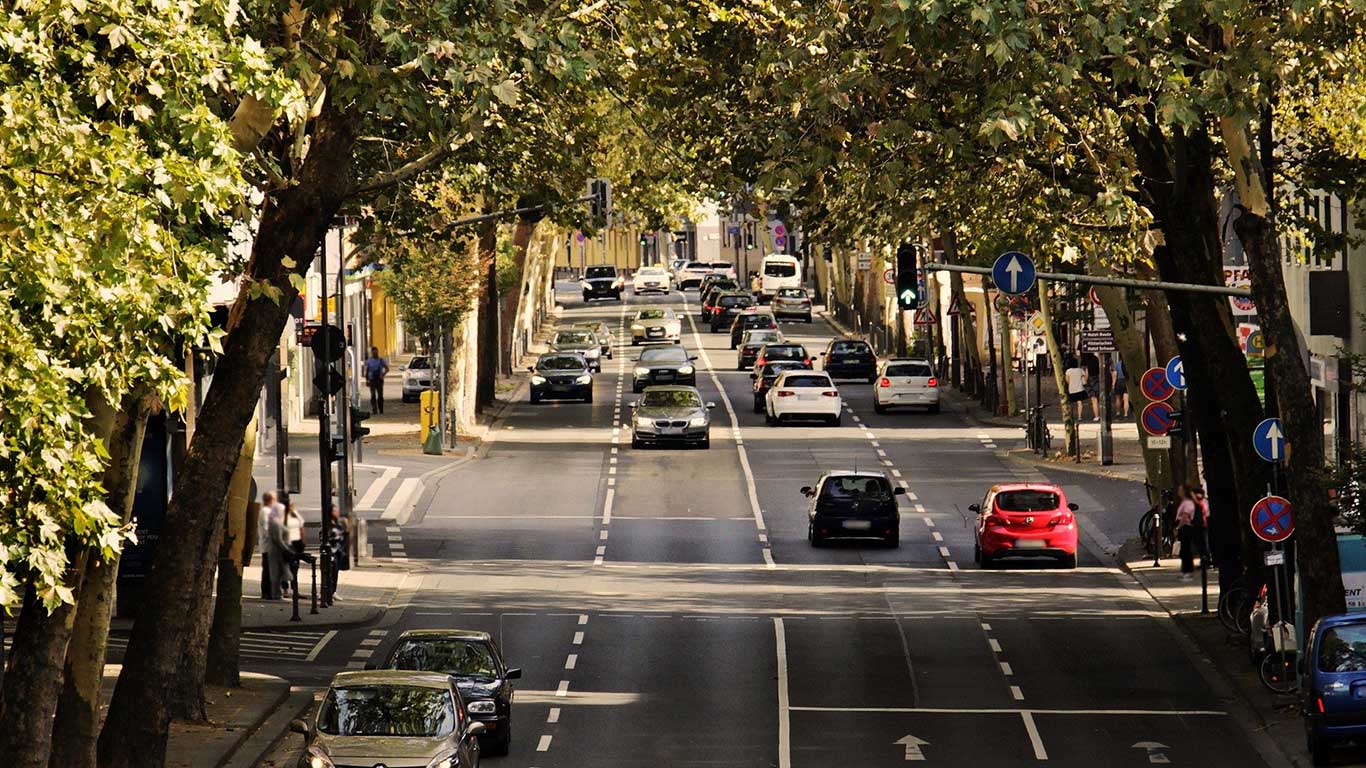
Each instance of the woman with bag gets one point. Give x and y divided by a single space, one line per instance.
1192 515
294 532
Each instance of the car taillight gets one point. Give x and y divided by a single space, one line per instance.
760 361
1320 702
997 520
830 393
886 382
786 393
933 382
1062 519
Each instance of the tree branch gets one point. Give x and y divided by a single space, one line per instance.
432 158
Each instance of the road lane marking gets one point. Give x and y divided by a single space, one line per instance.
953 566
554 716
784 706
986 627
563 689
377 487
1018 710
944 552
1039 752
571 661
929 521
607 507
1006 670
768 557
603 535
995 646
578 638
544 744
896 473
937 535
583 619
1016 693
317 649
401 505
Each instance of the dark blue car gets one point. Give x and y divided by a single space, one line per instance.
1335 684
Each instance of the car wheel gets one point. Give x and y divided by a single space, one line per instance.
1068 561
758 405
976 553
588 398
635 442
1320 750
893 540
586 299
608 353
706 442
636 389
732 343
500 746
837 420
816 541
934 408
872 378
808 318
986 561
535 398
770 419
879 407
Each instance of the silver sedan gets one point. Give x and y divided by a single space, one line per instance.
671 415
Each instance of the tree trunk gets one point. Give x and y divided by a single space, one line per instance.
509 304
78 707
292 225
1055 359
225 634
1007 365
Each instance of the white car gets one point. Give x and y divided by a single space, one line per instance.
676 267
777 272
417 377
655 325
723 268
905 383
691 275
651 280
803 394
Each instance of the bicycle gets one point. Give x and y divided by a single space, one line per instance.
1235 607
1278 670
1154 529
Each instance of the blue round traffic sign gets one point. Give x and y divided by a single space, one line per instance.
1269 440
1273 519
1176 373
1157 419
1155 385
1013 272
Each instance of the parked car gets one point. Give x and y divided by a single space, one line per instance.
752 342
750 319
663 365
470 657
671 415
765 375
391 717
418 376
728 305
655 325
804 394
691 275
561 375
849 359
579 341
778 271
603 330
853 505
1032 519
903 383
792 302
602 282
1334 684
651 280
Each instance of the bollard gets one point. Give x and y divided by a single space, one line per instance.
295 598
313 566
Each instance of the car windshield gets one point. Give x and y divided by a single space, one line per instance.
697 265
771 370
1343 649
664 355
650 271
1027 501
569 338
780 269
720 265
909 369
561 363
593 272
789 351
759 320
735 301
792 293
464 658
809 380
651 314
387 710
847 347
856 488
419 363
671 398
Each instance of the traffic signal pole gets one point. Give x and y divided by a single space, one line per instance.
324 436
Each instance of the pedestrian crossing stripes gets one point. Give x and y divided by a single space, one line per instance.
264 645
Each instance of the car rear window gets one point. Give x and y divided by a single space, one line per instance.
601 272
856 487
780 269
1343 649
792 293
909 369
759 321
664 355
720 265
790 351
806 381
736 301
848 347
1026 501
697 265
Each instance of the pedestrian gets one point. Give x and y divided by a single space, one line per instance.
269 508
1192 516
337 532
280 553
1075 376
376 368
1119 388
294 533
1093 374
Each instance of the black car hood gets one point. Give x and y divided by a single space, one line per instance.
473 688
596 280
663 365
584 347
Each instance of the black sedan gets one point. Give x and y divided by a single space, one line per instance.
853 505
757 320
472 659
725 307
663 365
602 282
561 375
850 359
764 377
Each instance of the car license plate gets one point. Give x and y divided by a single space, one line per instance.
1030 544
655 332
858 525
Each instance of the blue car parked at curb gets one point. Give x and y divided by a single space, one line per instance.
1334 684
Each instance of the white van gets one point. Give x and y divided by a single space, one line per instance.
779 271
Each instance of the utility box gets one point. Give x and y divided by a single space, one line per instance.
294 474
429 413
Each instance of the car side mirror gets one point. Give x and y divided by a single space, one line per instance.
898 491
531 368
974 507
632 404
1072 506
300 726
711 406
807 490
514 674
475 728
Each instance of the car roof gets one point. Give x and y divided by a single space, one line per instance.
808 372
673 388
895 360
1000 487
392 677
1342 619
451 634
855 473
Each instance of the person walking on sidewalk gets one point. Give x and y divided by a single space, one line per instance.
1076 384
337 538
376 368
280 554
1119 388
269 508
1192 516
294 532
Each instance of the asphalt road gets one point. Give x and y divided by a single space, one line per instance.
668 611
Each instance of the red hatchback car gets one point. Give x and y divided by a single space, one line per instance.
1026 519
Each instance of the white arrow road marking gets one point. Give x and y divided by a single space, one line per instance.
1014 269
1156 755
1274 436
912 745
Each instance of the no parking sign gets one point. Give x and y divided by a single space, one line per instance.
1155 385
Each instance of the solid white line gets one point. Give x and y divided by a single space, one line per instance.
563 689
313 654
784 718
1039 752
1017 693
572 661
377 487
768 558
1016 711
607 507
578 638
544 744
554 716
402 501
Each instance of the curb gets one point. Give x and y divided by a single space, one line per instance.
246 733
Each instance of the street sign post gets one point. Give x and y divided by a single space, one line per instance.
1155 442
924 316
1098 342
1036 324
1269 440
1155 385
1176 373
1157 419
889 276
1273 519
1013 272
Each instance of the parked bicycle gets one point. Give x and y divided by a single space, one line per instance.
1155 527
1037 435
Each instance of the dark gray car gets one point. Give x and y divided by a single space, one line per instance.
671 415
579 341
663 365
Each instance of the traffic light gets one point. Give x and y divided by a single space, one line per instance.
336 449
328 380
907 286
749 237
1178 427
358 428
601 204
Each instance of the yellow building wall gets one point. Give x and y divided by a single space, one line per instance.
383 321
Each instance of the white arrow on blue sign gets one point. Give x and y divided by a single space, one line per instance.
1013 272
1176 373
1269 440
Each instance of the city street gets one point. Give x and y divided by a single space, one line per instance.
666 603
